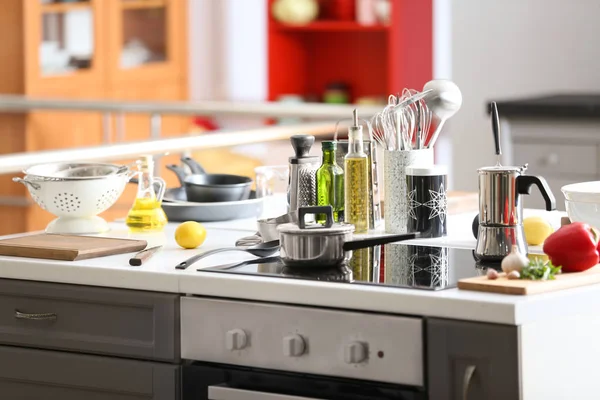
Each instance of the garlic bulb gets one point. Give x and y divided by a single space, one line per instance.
515 261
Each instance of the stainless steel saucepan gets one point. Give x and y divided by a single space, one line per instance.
329 245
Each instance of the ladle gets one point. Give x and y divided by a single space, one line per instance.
444 100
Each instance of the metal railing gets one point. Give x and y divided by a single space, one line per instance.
326 114
310 111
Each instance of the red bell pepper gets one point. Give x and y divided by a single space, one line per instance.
573 247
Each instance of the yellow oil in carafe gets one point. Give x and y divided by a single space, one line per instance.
356 209
146 215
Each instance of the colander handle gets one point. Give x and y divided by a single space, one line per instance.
25 182
162 187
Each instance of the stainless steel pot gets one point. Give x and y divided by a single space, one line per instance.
324 246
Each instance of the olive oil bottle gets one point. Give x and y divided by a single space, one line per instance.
330 183
146 214
356 180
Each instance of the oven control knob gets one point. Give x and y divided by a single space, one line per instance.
355 353
236 339
293 346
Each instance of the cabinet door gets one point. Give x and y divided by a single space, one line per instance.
147 40
27 374
64 45
472 361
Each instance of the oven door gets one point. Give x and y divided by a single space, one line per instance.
210 381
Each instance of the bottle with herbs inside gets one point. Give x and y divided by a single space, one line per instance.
356 180
330 183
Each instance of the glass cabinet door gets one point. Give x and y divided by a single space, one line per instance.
67 37
62 44
144 33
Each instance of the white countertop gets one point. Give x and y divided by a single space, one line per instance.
159 274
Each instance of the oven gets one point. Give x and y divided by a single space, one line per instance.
238 350
205 381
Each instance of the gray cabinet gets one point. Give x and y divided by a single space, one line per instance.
27 374
472 361
126 323
562 150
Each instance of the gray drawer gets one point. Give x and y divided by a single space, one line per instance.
88 319
27 374
557 159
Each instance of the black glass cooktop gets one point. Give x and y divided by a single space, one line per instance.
393 265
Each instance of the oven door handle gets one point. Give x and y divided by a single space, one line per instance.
222 392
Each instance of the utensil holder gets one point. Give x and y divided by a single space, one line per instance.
396 200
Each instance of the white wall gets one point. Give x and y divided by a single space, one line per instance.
504 49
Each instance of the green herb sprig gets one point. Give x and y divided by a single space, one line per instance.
540 270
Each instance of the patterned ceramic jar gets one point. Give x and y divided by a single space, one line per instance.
395 193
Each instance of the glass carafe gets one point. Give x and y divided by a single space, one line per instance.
146 214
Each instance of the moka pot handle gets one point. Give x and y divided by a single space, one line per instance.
525 182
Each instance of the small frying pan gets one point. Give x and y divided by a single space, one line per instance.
206 188
179 192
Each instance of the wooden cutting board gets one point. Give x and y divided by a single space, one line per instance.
523 287
67 247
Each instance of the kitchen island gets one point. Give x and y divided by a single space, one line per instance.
101 327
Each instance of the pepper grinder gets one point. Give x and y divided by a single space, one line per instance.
302 191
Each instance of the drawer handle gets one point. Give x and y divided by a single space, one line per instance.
35 317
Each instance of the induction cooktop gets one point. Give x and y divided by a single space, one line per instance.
394 265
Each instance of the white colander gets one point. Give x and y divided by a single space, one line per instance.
76 200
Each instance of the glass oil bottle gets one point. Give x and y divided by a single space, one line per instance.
146 214
330 183
356 180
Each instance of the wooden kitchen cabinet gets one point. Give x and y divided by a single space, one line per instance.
28 374
38 35
472 361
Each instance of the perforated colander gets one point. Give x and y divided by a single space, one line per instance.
76 201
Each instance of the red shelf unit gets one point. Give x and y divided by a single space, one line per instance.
373 60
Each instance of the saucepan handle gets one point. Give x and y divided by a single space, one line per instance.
525 182
304 211
358 244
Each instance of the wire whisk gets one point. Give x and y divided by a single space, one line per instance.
404 123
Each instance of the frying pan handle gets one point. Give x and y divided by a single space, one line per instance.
358 244
304 211
180 172
193 165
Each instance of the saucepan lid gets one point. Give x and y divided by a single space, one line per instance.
329 228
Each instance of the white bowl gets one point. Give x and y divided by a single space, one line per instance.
586 192
584 212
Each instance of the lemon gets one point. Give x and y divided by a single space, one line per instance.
537 229
190 234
